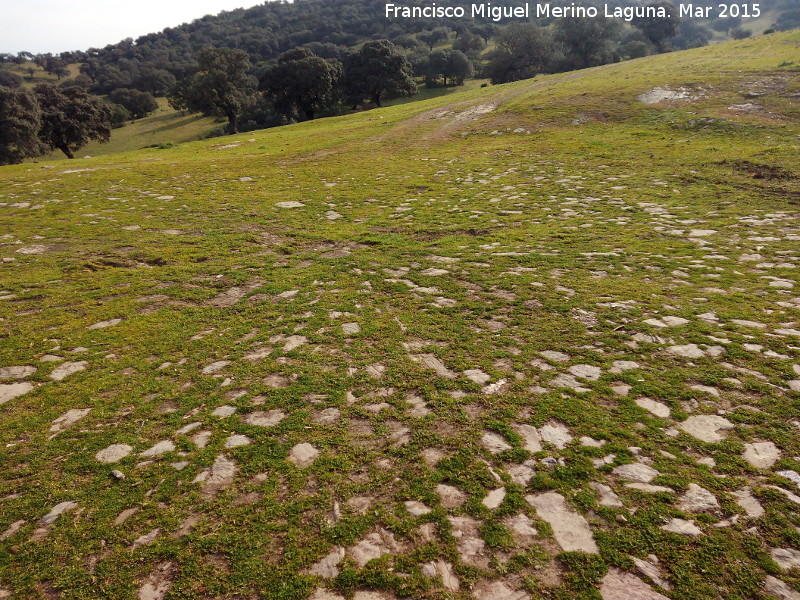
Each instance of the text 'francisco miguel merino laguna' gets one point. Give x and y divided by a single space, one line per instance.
523 11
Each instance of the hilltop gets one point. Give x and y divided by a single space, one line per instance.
534 340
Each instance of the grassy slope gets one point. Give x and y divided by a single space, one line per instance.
582 197
164 125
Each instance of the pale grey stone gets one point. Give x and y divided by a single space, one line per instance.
779 589
787 558
66 369
303 454
570 529
706 427
114 453
555 433
20 372
686 351
697 499
450 496
636 472
234 441
761 455
494 442
588 372
607 495
327 567
58 510
266 418
621 585
494 498
68 419
682 527
750 504
532 441
159 449
469 543
374 545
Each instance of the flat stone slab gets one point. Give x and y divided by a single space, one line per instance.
20 372
104 324
266 418
621 585
449 496
761 455
58 510
327 567
779 589
9 391
682 527
494 442
636 472
706 427
494 498
68 419
555 433
444 570
497 590
607 496
66 369
659 409
469 542
571 530
787 558
159 449
686 351
114 453
531 439
588 372
697 499
374 545
303 454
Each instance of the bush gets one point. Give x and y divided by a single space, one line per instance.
139 104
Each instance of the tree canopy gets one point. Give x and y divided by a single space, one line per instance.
71 118
20 120
299 84
377 70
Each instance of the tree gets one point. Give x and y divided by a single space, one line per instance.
119 114
451 65
181 95
20 120
71 118
433 36
139 104
659 29
154 81
9 79
223 83
470 44
586 40
523 50
301 84
375 70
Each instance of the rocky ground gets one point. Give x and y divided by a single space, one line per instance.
327 363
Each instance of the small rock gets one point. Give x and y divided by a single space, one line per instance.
682 527
114 453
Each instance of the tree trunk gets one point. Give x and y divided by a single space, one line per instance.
376 98
65 150
309 114
233 126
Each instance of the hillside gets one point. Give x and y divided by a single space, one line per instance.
536 340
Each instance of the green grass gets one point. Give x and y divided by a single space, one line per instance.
163 126
563 215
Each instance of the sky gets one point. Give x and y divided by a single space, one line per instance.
60 25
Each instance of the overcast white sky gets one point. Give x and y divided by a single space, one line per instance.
58 25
